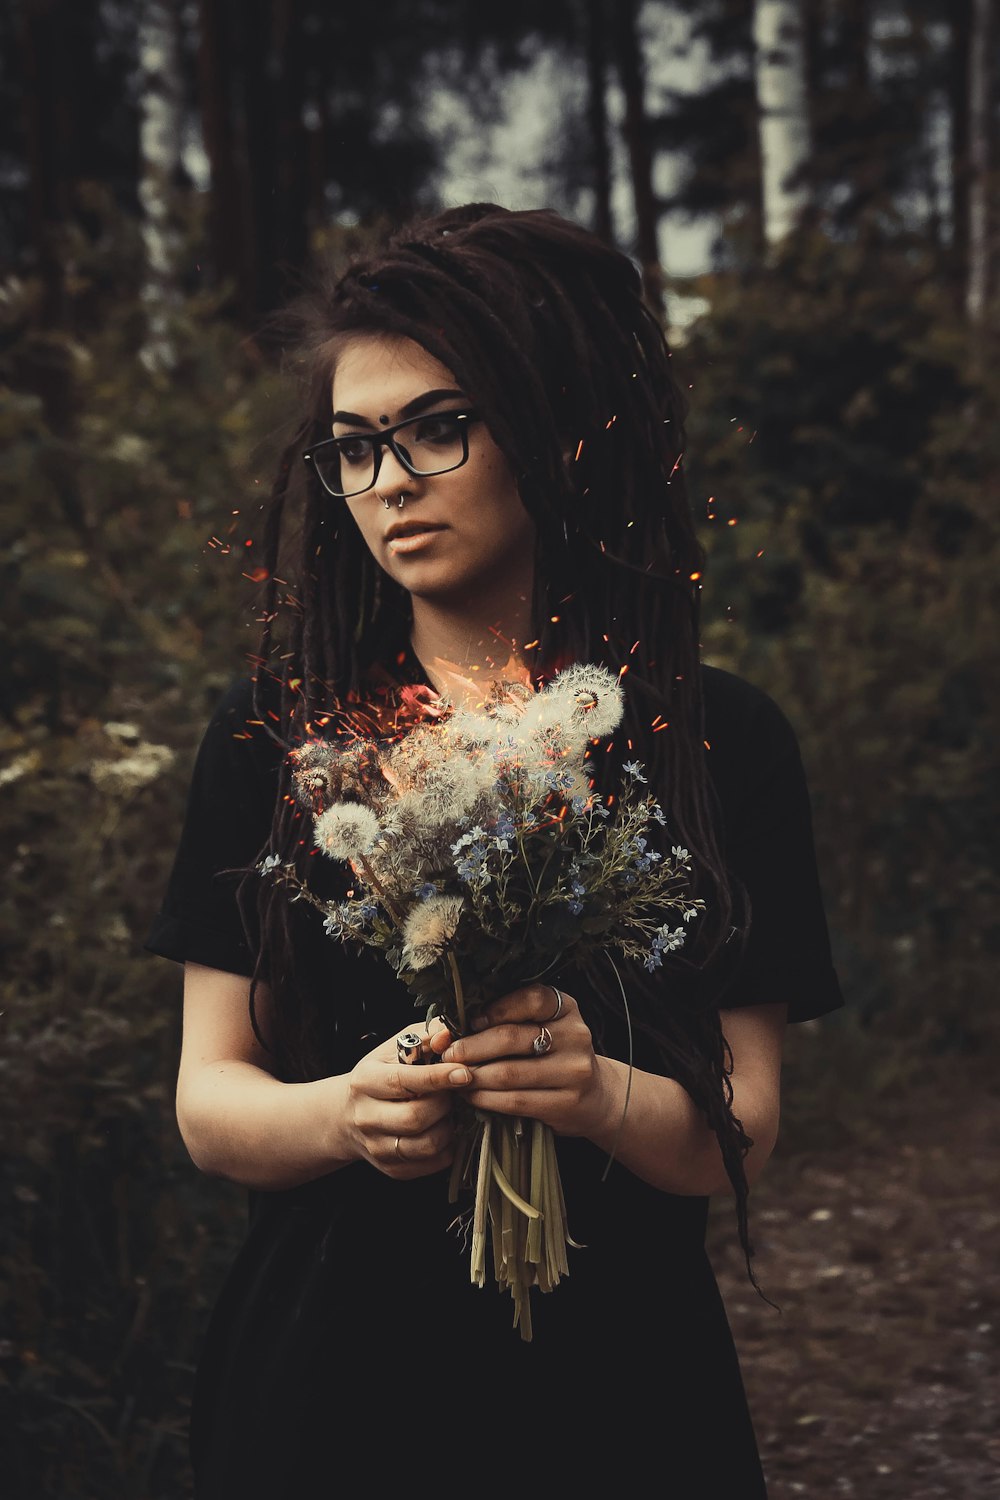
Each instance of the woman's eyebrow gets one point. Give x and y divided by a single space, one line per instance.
411 409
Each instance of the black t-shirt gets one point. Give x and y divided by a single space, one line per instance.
347 1331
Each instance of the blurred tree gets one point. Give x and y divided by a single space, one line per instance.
595 23
632 71
981 117
161 135
782 99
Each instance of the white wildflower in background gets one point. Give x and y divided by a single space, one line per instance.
131 772
347 830
21 765
126 732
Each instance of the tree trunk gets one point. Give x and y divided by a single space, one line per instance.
56 46
960 60
780 65
628 51
160 170
597 119
229 229
980 79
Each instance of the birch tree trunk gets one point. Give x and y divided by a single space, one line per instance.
160 149
782 99
631 70
597 118
980 79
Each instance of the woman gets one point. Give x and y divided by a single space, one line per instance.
492 490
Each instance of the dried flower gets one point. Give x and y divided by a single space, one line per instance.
429 928
347 830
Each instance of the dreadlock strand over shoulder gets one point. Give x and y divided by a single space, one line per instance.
546 329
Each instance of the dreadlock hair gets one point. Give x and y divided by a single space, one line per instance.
546 330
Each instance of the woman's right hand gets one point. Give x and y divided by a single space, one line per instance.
399 1116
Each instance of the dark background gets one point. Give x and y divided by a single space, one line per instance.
170 171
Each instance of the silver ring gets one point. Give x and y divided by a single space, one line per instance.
542 1042
559 1003
396 1150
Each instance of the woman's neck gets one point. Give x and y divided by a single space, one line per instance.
463 653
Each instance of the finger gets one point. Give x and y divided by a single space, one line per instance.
514 1040
533 1002
400 1081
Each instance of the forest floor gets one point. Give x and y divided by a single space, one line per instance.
880 1376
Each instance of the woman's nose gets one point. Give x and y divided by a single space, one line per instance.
393 476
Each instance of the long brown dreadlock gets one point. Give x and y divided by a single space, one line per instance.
545 328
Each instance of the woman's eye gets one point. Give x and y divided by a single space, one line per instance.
437 429
354 450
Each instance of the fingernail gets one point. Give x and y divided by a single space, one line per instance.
460 1075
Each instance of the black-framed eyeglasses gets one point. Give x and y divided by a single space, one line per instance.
432 444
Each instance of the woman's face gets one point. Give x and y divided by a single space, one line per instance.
463 537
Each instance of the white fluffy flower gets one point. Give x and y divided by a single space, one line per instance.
428 929
582 703
347 830
447 791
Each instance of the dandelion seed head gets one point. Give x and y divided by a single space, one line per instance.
428 929
347 830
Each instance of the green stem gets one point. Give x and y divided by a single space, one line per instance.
511 1193
456 980
380 890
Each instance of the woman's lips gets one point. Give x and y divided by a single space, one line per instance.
413 540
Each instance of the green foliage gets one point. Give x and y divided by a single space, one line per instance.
846 431
121 625
839 416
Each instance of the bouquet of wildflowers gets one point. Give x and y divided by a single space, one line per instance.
482 859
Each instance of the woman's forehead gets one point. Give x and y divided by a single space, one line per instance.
385 368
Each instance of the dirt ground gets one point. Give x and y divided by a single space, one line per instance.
880 1376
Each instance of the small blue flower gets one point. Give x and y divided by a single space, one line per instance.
576 907
578 804
634 769
426 891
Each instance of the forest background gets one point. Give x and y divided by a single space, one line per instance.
171 170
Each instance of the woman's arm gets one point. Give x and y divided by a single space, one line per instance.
662 1136
665 1138
240 1122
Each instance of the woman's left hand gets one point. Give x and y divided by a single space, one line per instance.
564 1085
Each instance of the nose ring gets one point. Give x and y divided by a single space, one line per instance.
402 498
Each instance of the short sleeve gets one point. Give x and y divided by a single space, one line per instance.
766 811
229 811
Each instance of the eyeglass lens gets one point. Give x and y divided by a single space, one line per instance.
426 445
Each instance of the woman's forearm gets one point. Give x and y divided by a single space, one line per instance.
664 1138
240 1123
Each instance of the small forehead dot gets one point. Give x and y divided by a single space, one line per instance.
384 421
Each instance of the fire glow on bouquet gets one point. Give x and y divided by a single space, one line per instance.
482 859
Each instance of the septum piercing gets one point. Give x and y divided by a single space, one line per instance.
402 498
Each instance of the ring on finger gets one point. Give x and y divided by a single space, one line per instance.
559 1004
396 1150
542 1042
